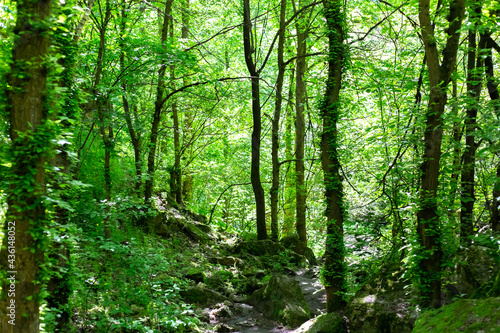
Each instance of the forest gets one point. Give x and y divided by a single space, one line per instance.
249 166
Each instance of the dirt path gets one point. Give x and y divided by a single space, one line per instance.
245 319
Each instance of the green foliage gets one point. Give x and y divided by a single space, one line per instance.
124 283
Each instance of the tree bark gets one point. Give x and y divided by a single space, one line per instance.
160 90
495 97
135 136
102 113
474 84
428 225
300 127
276 121
289 204
257 123
334 270
176 173
28 110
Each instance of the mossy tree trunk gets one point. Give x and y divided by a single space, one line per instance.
428 224
31 132
334 269
276 122
300 127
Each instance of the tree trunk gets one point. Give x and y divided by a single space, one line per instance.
474 84
300 128
428 226
257 124
22 253
102 113
495 97
334 269
135 136
160 90
276 121
289 195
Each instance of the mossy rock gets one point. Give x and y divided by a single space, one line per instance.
227 261
466 315
260 248
202 296
326 323
474 267
293 243
196 275
383 304
282 300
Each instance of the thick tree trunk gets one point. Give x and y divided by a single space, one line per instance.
428 226
276 121
27 106
103 105
160 90
495 97
334 270
258 191
300 127
474 84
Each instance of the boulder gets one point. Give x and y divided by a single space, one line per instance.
474 266
196 276
383 304
223 328
465 315
227 261
293 243
260 247
326 323
202 296
281 300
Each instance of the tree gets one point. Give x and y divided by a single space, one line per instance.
300 127
276 122
334 270
250 49
474 84
31 110
157 108
428 227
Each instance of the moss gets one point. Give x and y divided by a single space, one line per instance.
467 315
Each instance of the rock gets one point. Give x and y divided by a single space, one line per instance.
297 259
258 273
221 311
202 296
465 315
293 243
249 285
474 266
260 247
289 272
489 289
227 261
311 273
383 304
281 300
326 323
196 276
223 328
198 232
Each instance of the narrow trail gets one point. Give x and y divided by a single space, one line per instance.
245 319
